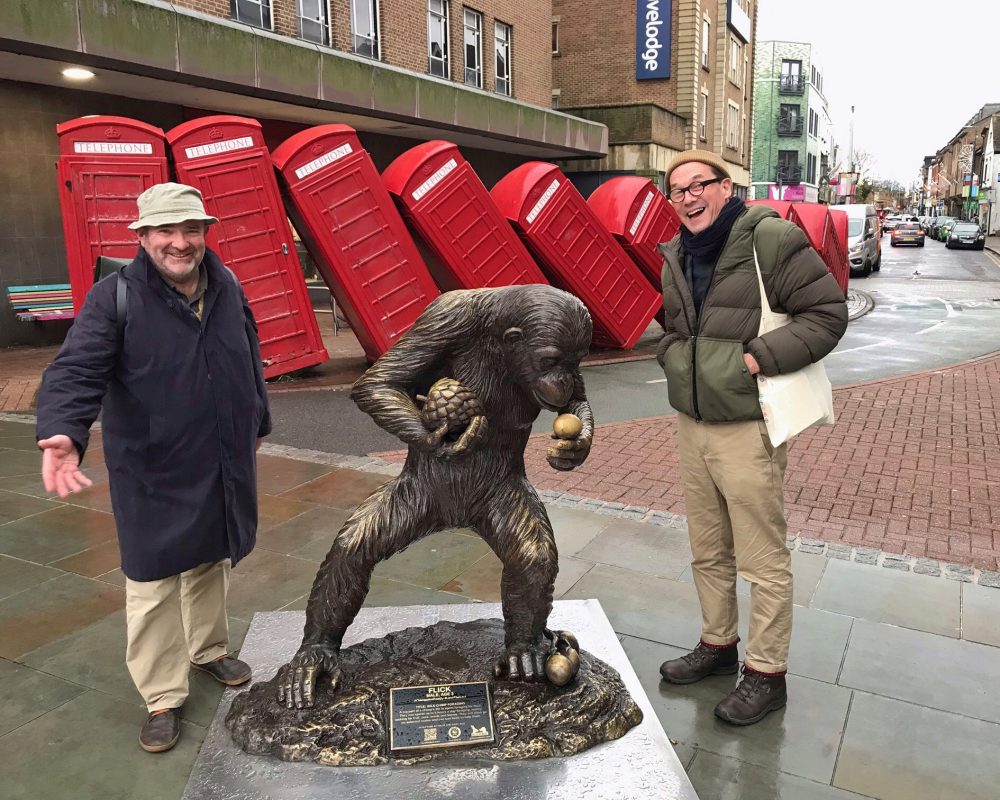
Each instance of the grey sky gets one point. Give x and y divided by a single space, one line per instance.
915 70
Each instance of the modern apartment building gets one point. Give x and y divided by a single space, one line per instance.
476 72
792 129
663 75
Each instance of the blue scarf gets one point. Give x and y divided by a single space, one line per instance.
702 250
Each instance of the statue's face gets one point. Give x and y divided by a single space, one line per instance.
545 368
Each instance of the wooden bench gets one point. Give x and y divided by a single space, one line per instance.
41 302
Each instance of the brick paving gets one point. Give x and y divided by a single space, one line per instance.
912 467
21 374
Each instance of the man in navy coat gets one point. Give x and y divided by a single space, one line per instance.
184 408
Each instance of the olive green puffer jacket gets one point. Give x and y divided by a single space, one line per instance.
703 358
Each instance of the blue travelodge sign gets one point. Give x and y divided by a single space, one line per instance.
652 39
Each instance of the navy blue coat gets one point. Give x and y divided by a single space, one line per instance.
184 402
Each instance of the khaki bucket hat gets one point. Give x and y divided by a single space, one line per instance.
170 204
701 156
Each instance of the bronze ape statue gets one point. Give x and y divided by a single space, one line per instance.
516 350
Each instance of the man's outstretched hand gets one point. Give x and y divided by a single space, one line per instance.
61 466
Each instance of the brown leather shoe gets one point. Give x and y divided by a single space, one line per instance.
161 731
228 670
700 663
756 696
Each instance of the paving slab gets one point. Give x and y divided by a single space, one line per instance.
910 665
898 751
724 778
641 548
26 694
88 748
801 739
981 614
913 601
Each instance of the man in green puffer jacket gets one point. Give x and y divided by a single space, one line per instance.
731 474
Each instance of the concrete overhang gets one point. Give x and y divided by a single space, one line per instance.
151 50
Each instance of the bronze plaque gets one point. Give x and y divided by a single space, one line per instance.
445 715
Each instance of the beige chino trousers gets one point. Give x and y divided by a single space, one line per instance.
733 489
171 624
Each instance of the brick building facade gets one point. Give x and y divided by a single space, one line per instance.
288 63
705 102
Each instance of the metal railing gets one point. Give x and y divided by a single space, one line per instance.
790 126
791 84
788 174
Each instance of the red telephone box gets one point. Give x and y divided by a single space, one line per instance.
818 225
225 158
639 216
104 164
443 198
577 252
354 233
840 225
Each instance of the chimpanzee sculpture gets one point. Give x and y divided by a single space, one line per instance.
517 350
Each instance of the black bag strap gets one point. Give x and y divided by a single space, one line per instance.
121 306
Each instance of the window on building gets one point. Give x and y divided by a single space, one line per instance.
790 118
501 38
813 123
473 32
555 98
788 167
703 119
706 33
252 12
816 78
312 21
791 75
555 38
364 24
810 168
735 61
733 126
437 38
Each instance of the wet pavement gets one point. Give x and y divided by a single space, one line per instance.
892 673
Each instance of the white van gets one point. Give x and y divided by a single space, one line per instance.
864 244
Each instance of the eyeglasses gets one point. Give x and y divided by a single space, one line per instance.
696 189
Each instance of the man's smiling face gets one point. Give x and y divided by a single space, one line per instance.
698 213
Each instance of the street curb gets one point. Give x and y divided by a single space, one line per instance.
864 302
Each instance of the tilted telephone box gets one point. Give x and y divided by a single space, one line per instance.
354 233
577 252
640 217
446 203
104 164
225 158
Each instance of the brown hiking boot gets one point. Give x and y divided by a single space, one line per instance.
228 670
700 663
756 696
161 731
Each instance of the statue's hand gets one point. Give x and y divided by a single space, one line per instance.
298 678
567 454
523 662
471 439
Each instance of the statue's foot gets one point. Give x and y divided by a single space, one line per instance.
524 662
298 678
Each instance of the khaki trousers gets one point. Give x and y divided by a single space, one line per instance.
733 489
171 624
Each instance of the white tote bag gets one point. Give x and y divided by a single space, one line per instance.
793 402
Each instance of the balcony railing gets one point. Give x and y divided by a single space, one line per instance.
786 175
789 126
792 84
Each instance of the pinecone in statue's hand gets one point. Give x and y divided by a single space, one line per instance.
448 402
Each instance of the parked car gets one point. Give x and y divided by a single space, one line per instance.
907 233
864 248
936 226
890 222
965 235
944 229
